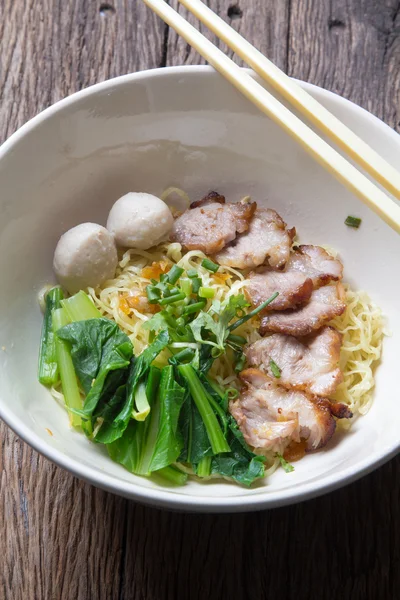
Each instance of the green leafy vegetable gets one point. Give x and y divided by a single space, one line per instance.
204 467
287 467
241 464
153 444
98 347
201 399
48 373
169 442
80 307
196 442
68 378
139 368
172 475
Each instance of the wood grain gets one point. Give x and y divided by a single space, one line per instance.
63 539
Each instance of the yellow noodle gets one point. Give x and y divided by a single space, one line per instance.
363 328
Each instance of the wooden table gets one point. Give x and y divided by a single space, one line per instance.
63 539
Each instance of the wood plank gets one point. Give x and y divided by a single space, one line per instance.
351 48
51 49
263 22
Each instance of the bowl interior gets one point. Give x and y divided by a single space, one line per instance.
185 127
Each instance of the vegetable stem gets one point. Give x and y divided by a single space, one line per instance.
253 313
80 307
172 475
48 372
204 467
69 381
141 403
200 397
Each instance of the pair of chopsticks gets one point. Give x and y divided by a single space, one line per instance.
332 127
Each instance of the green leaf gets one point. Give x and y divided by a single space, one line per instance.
241 464
139 368
158 322
169 441
98 347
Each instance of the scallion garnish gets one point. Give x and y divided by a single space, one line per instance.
276 371
186 286
172 299
209 265
253 313
192 273
193 308
205 292
353 222
153 294
196 284
174 274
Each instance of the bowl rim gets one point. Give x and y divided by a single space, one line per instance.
162 497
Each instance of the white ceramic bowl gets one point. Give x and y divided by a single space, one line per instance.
186 127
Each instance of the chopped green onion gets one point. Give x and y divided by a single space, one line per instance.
204 467
192 273
193 308
205 292
172 299
186 286
276 371
141 403
196 284
180 322
353 222
237 339
69 382
48 369
174 274
209 265
153 294
80 307
253 313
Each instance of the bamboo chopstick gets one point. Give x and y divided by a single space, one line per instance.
330 125
358 183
